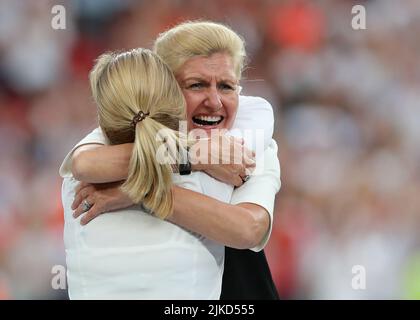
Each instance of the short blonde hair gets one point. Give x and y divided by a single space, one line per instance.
123 84
200 38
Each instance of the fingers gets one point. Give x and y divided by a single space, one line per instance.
244 176
236 153
249 170
77 198
237 140
82 193
91 214
241 171
242 155
223 150
79 210
237 181
249 157
249 162
249 153
237 172
76 202
80 186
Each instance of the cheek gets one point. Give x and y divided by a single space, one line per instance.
231 108
192 103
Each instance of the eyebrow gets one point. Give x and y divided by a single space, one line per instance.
205 80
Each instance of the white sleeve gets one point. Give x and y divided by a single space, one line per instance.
95 137
261 188
254 122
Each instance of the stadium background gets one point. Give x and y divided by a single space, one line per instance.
347 114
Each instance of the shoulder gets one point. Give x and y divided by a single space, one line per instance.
272 147
94 137
250 105
253 102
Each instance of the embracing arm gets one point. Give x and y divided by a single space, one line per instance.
93 160
99 163
239 226
262 188
96 163
245 223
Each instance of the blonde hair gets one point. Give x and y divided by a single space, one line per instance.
123 84
199 38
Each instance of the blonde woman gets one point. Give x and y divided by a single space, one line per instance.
207 66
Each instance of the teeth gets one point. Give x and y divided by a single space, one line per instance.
209 118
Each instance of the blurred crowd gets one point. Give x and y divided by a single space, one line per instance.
347 113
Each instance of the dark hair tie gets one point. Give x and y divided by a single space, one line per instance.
139 117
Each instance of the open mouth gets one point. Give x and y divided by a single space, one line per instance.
207 120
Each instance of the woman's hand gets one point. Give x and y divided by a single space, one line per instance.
224 158
235 175
98 198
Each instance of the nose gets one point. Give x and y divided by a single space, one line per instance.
213 100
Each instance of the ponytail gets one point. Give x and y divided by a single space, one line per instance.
138 98
150 179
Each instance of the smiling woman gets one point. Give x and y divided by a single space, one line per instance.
208 66
210 88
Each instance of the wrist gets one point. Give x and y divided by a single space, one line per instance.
185 169
199 154
194 161
197 167
185 166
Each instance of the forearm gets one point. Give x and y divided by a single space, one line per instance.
238 226
101 164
